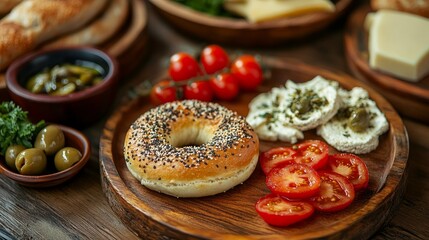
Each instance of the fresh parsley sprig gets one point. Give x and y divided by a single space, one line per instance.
15 127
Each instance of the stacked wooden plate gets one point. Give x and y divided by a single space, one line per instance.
410 99
232 215
127 44
240 32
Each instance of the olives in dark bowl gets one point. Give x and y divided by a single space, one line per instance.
65 100
34 168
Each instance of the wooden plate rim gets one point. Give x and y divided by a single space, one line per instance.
394 177
354 46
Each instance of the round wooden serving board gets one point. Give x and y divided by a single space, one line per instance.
127 46
240 32
410 99
231 215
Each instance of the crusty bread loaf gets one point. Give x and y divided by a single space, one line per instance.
7 5
99 30
419 7
35 21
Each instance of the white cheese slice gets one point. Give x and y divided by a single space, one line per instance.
399 44
337 133
263 10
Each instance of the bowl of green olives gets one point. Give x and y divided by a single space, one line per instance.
74 86
57 154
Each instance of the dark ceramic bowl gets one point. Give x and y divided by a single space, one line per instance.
77 109
74 138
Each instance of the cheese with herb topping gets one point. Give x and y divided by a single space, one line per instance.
284 113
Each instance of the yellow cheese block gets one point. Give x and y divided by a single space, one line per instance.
263 10
399 44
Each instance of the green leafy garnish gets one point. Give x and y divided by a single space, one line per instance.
15 127
212 7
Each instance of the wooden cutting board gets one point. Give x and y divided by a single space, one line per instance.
231 215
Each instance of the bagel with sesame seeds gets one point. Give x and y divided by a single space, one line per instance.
191 149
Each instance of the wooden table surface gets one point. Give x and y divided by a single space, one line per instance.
78 209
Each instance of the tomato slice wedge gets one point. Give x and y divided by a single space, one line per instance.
293 181
278 211
350 166
275 157
313 153
336 193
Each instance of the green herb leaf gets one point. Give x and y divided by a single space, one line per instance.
15 127
212 7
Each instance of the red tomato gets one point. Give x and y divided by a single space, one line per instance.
278 211
163 92
199 90
350 166
336 193
247 71
214 58
183 67
275 157
313 153
293 181
224 86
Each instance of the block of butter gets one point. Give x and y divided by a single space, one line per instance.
263 10
398 44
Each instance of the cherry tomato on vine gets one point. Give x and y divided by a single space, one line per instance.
278 211
224 86
199 90
247 71
336 193
183 67
276 157
313 153
163 92
350 166
214 58
293 181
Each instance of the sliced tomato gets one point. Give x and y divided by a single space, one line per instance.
350 166
313 153
293 181
278 211
336 193
276 157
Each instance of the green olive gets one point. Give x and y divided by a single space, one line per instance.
301 105
359 120
11 154
66 158
50 139
31 161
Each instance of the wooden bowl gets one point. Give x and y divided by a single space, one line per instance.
410 99
74 138
239 32
79 108
232 215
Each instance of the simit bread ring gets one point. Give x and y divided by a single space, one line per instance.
191 149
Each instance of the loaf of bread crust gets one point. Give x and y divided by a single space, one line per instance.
35 21
7 5
98 30
419 7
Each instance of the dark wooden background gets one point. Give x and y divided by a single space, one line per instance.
78 209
